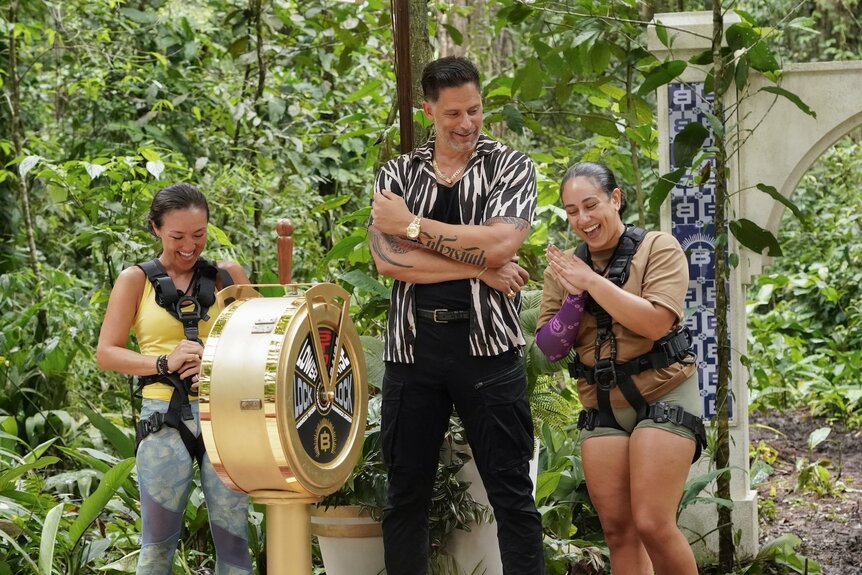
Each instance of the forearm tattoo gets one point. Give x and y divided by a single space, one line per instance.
389 248
519 223
442 245
470 255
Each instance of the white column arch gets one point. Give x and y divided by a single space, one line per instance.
783 142
777 143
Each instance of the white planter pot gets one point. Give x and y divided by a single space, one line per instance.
351 541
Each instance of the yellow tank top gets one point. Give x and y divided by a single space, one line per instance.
159 332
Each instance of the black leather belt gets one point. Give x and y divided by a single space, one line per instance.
443 315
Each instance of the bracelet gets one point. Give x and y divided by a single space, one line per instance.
481 271
162 365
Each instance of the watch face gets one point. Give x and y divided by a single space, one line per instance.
413 229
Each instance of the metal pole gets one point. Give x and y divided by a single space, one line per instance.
288 531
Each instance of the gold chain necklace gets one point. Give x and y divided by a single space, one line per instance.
455 174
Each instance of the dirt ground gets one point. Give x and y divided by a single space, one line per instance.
830 526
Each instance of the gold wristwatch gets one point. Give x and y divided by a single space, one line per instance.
413 228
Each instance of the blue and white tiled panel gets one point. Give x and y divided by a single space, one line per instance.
701 321
686 103
692 213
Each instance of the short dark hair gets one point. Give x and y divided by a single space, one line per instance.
447 72
599 173
180 196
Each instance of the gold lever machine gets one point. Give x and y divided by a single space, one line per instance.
283 401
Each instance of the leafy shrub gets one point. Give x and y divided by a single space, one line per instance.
805 312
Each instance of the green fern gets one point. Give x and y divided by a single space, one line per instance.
551 401
550 404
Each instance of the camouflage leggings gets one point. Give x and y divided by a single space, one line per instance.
165 477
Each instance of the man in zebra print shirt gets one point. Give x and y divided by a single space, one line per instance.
447 221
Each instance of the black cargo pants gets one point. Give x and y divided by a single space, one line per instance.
489 394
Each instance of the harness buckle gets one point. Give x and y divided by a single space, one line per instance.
188 311
677 346
188 308
152 424
663 413
588 419
605 374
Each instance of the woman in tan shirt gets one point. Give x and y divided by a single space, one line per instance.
636 379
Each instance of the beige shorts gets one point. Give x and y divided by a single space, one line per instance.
687 396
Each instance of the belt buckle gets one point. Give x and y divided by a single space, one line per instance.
439 320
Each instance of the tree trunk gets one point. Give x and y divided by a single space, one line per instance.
474 19
420 55
256 6
255 30
722 447
634 150
18 137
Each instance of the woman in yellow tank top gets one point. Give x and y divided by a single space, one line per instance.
178 217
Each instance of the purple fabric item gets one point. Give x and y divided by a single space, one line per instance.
557 337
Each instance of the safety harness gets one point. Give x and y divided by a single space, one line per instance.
606 373
188 308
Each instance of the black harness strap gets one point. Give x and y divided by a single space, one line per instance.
606 373
179 410
189 309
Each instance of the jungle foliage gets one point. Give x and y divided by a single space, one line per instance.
805 312
281 108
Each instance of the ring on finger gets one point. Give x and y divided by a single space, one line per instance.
510 294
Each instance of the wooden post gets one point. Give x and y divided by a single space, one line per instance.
284 229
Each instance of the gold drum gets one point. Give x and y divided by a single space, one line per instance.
278 410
